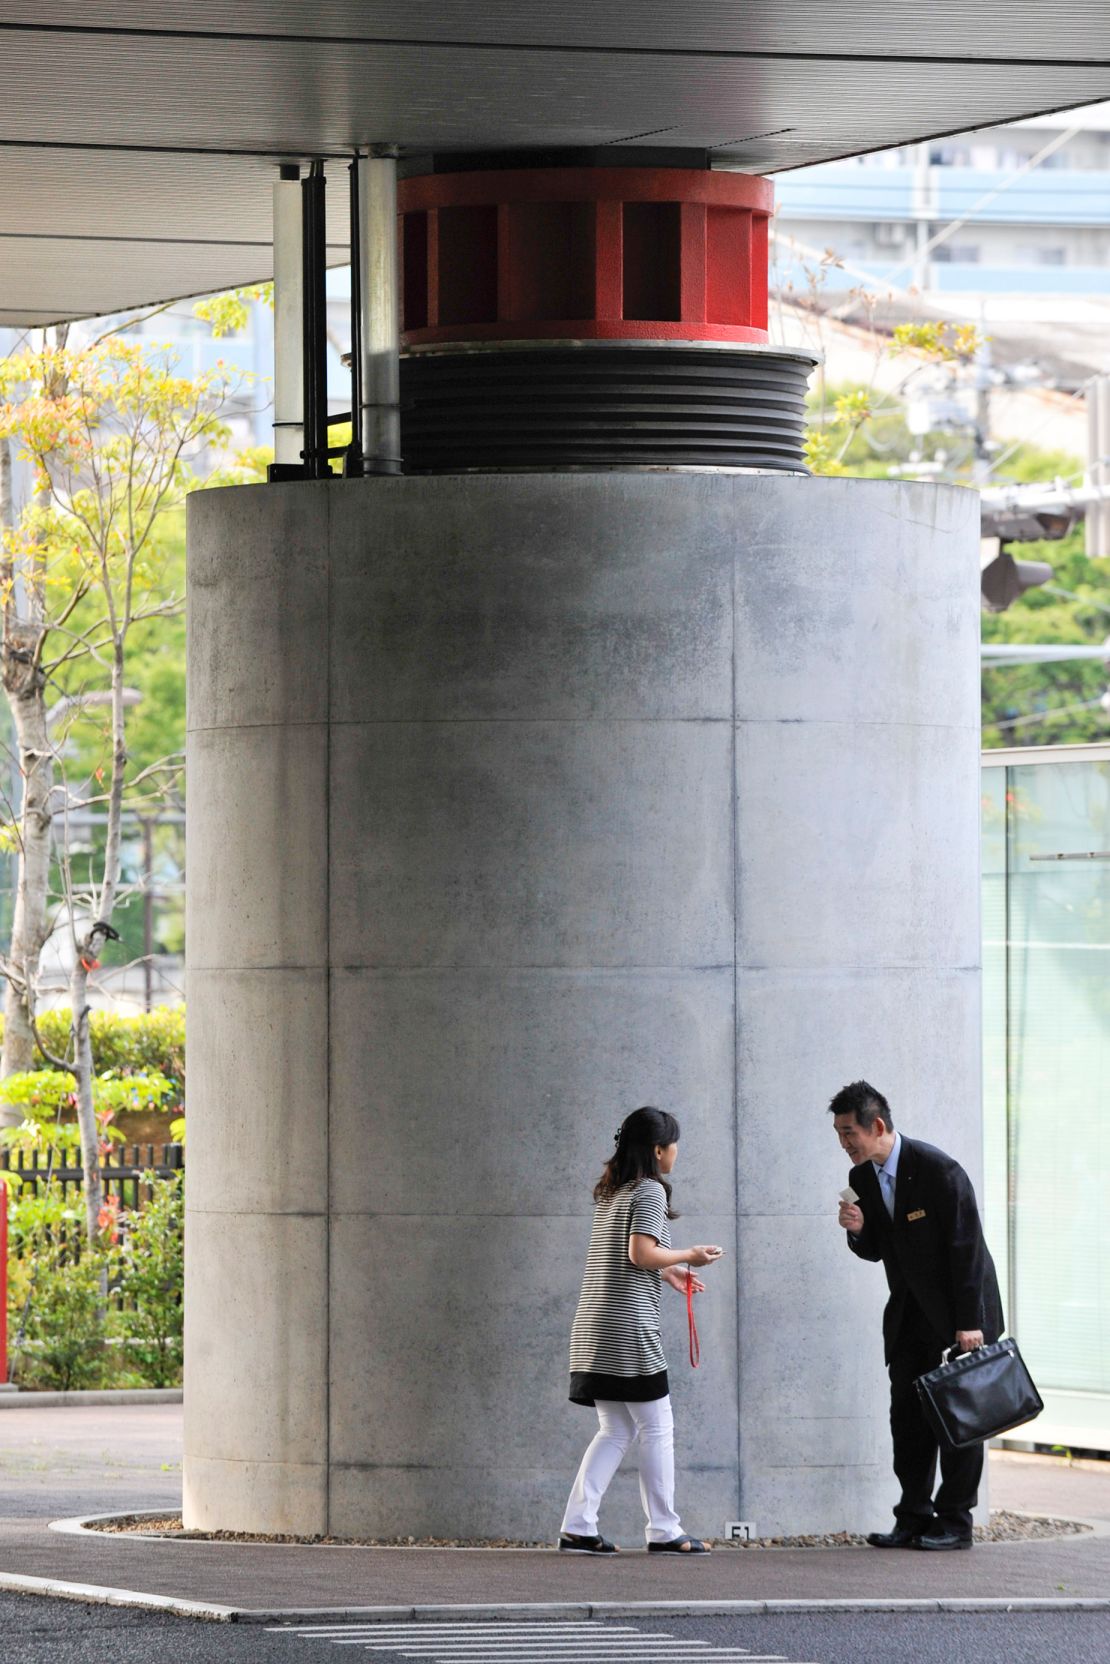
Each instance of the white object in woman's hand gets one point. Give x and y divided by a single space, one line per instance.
704 1254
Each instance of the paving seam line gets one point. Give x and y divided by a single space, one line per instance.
212 1612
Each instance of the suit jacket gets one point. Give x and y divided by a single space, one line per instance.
933 1248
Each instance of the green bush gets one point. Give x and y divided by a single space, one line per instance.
65 1335
150 1267
46 1096
63 1341
152 1044
111 1316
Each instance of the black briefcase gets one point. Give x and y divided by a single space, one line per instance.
979 1394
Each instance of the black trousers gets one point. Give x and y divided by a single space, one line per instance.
916 1350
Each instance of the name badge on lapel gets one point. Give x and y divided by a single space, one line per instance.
919 1213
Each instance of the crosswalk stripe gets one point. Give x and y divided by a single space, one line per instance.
598 1651
456 1644
531 1641
585 1626
629 1639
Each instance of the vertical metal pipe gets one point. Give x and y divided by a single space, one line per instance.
1097 399
288 326
1102 512
315 324
148 912
381 316
354 455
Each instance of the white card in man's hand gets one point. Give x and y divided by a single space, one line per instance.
849 1196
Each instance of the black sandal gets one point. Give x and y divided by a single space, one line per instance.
679 1545
570 1544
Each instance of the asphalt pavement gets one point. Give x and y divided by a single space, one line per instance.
58 1461
37 1631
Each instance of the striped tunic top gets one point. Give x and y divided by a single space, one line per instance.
616 1349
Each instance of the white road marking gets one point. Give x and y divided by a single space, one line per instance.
494 1626
555 1641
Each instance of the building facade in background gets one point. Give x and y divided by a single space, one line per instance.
1011 231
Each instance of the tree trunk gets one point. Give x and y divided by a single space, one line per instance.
86 955
24 616
83 1074
23 685
25 688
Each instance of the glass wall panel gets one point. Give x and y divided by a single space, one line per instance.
1056 928
996 1211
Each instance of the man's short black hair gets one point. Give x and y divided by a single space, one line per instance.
862 1101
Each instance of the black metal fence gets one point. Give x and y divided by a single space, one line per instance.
122 1171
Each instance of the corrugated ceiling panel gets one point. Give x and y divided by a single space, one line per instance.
164 143
892 27
95 193
294 98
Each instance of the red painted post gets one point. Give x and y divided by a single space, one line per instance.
608 260
588 254
3 1284
694 222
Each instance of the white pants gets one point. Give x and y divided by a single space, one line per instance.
651 1427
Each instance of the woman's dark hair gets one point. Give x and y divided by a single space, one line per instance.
634 1156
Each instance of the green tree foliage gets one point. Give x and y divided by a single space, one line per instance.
1051 704
862 431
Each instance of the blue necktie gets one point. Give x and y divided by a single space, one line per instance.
886 1185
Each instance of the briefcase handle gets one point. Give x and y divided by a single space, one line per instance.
947 1358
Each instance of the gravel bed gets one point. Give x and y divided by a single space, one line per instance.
1003 1528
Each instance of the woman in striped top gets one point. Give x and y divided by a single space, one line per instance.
616 1350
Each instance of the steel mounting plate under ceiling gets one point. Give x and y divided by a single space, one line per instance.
139 139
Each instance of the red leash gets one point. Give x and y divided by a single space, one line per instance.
695 1344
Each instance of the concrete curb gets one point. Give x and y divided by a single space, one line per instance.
116 1395
15 1583
665 1609
88 1525
211 1612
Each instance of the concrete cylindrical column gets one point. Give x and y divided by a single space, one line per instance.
514 802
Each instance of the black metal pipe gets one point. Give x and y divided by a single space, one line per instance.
353 467
314 225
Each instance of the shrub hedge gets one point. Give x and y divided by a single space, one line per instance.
153 1043
109 1316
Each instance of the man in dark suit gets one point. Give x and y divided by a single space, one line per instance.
916 1211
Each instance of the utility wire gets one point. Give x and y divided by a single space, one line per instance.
1070 595
1045 716
954 226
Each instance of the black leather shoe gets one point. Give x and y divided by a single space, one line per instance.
938 1541
900 1537
570 1544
